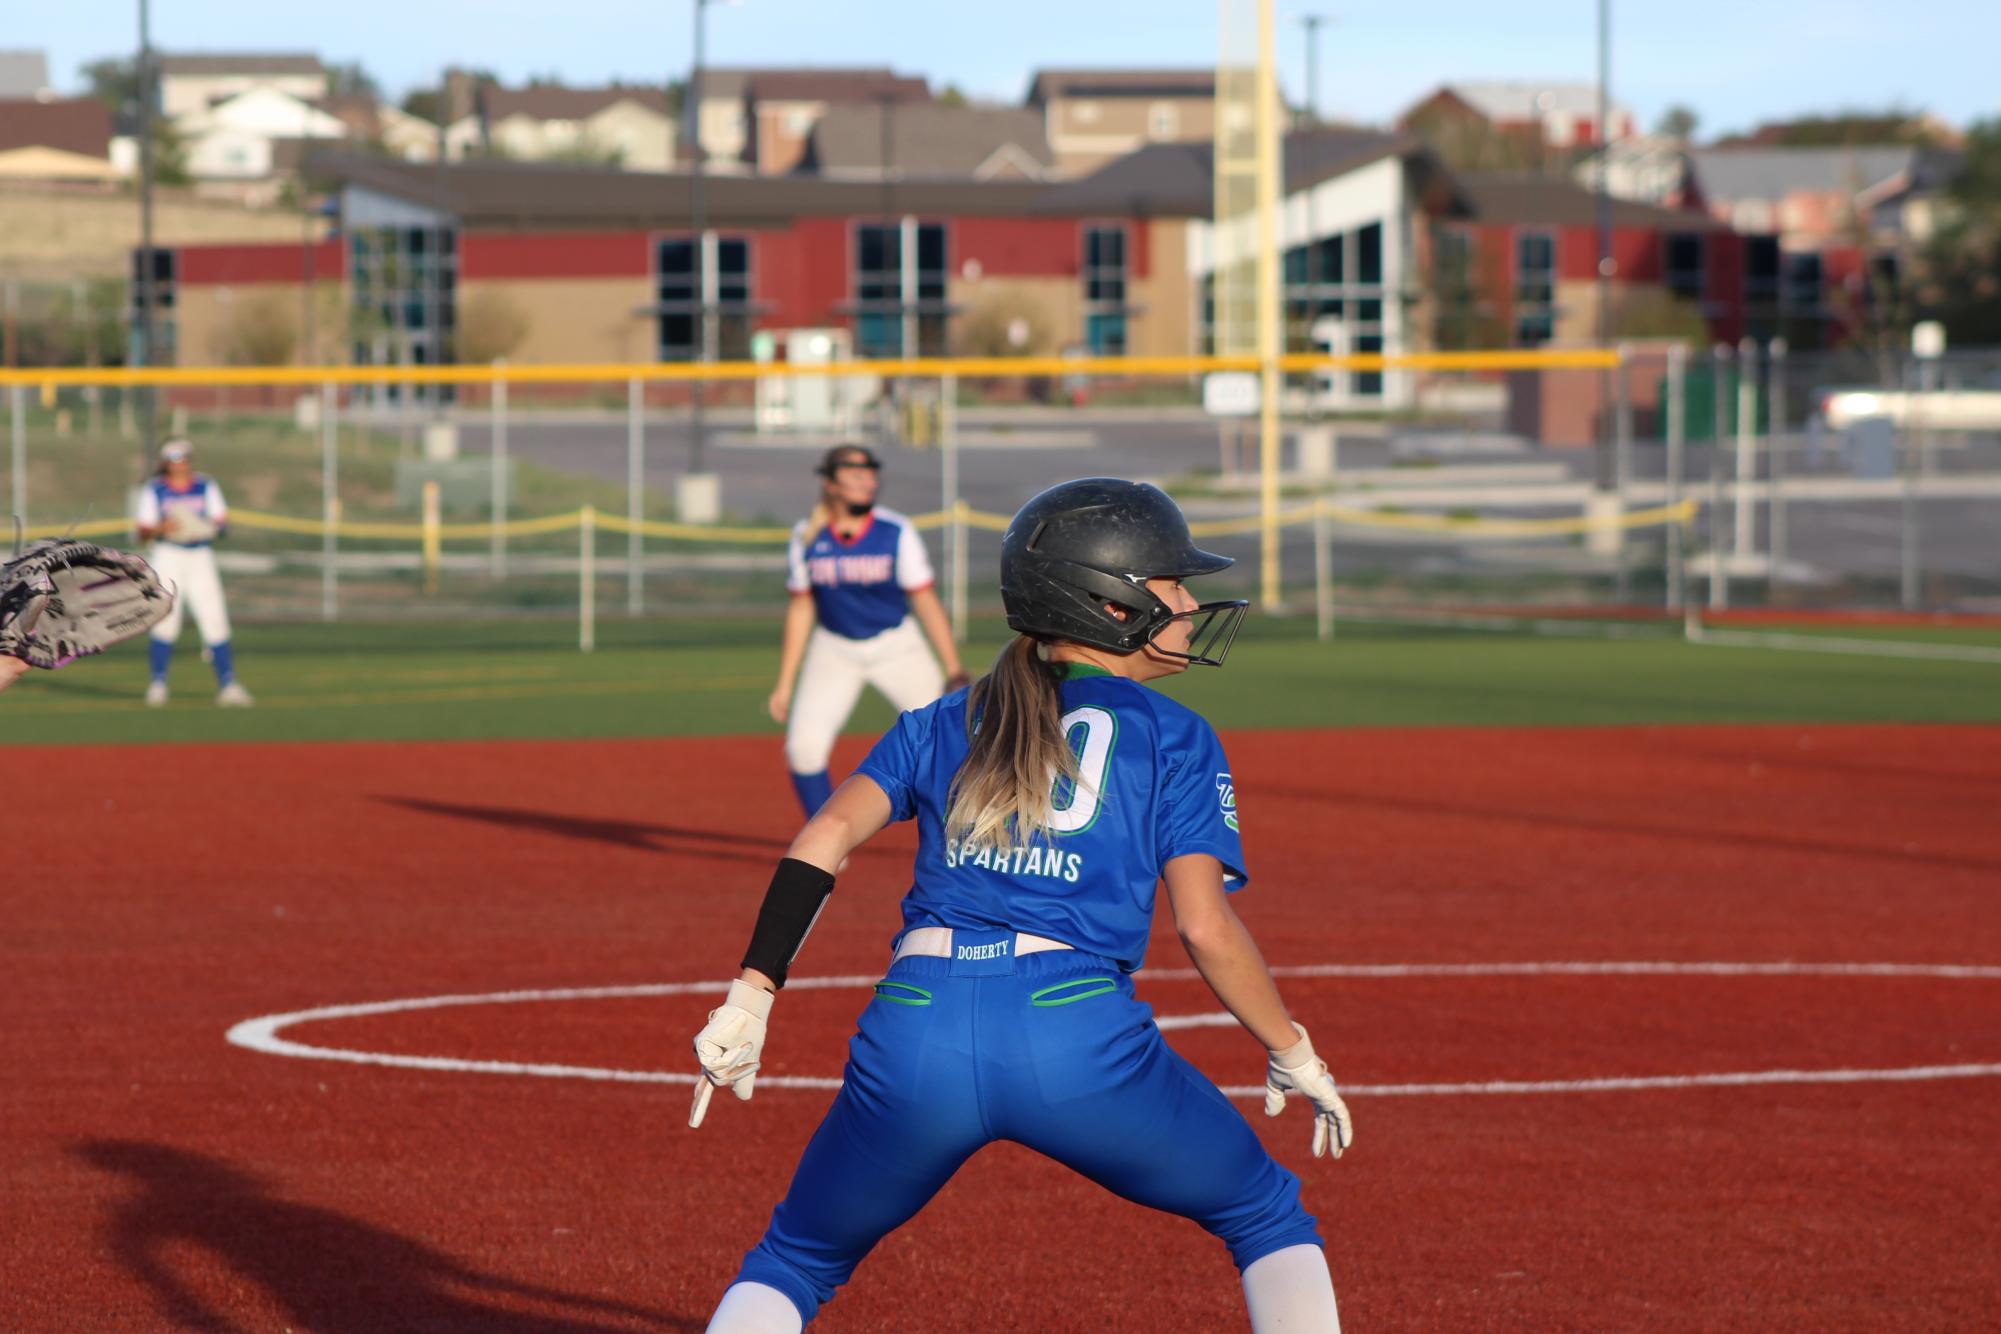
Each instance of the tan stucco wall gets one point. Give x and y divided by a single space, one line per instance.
575 319
1165 326
206 319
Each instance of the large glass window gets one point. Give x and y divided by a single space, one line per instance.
684 285
1338 278
164 299
1535 288
1803 284
1685 265
1761 270
404 299
1105 309
898 302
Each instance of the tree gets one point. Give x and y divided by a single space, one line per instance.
425 104
170 154
1851 128
491 325
261 331
1678 122
953 96
351 80
115 83
1961 271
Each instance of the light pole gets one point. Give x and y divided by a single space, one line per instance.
1606 263
148 407
699 223
1312 22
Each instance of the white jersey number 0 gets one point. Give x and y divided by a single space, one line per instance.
1075 809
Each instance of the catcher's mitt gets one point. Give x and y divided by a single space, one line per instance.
64 600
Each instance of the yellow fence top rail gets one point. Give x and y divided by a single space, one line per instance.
570 520
57 377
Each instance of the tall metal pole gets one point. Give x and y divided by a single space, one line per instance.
498 501
149 437
1775 468
635 491
1719 578
18 497
1265 120
699 221
1911 452
1622 464
330 501
1311 113
948 457
1605 262
1744 539
1677 445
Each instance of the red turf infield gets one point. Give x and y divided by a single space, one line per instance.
157 1177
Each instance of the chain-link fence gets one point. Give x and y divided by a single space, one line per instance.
1463 485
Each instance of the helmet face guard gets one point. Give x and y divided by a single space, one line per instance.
1075 564
1215 626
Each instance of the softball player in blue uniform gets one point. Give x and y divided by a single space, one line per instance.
183 513
858 575
1050 800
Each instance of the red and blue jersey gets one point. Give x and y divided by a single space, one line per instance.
1154 785
202 500
860 585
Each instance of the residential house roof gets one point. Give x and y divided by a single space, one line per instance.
731 81
278 63
550 101
1048 83
23 74
79 125
1525 100
501 195
1525 198
1177 179
836 86
1727 174
927 140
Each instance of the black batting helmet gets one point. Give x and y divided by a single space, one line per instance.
1084 544
847 456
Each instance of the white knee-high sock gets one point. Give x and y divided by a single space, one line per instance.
1291 1290
756 1308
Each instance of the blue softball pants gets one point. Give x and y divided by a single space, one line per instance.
1051 1051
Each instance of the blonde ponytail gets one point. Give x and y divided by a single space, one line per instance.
1003 794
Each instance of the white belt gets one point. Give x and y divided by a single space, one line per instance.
937 942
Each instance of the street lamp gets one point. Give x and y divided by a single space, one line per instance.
145 347
701 492
1312 22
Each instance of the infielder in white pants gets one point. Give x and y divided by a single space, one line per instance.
182 513
861 586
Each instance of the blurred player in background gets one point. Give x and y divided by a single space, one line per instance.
857 574
182 513
1051 799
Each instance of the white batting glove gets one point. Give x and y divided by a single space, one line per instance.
1298 1070
728 1047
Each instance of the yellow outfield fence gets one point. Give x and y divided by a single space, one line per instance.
588 521
1459 526
291 461
50 378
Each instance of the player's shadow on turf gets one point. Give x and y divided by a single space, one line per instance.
621 833
325 1270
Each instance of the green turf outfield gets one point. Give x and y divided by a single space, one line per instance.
662 677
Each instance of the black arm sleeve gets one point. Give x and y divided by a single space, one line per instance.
798 891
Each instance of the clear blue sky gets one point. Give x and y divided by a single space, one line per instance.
1735 61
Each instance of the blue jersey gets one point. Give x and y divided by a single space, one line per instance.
159 504
860 586
1154 786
